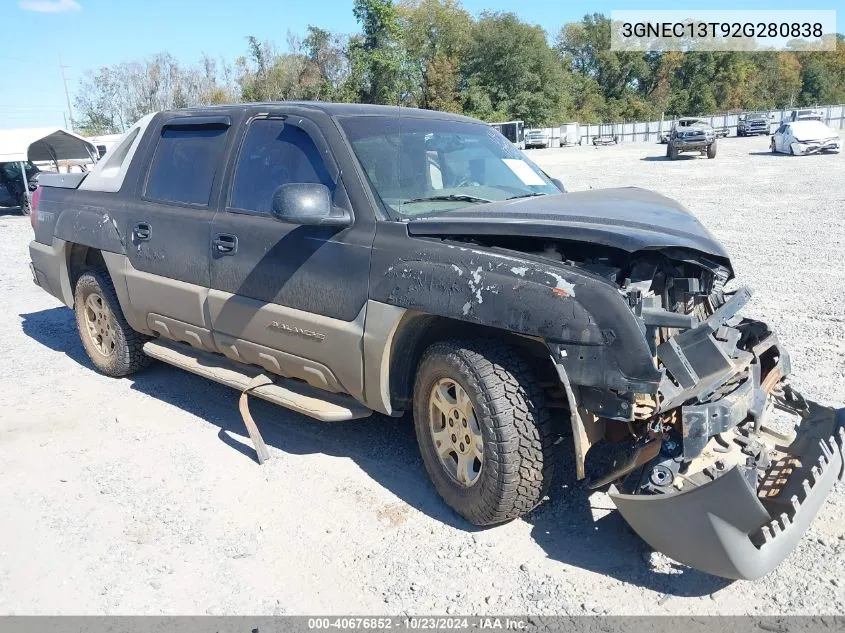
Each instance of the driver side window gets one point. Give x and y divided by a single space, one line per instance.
274 153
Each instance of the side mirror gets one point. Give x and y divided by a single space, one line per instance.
557 183
308 204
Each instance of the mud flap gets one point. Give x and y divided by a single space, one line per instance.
728 529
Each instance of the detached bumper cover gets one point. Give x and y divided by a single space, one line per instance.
813 147
728 529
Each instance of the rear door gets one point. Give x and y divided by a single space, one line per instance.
169 225
289 298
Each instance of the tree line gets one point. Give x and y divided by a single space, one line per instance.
433 54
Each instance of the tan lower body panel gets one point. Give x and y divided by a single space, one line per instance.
154 294
327 353
290 394
269 334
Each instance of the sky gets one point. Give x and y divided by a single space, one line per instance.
42 36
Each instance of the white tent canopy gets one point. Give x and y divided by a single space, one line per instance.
43 144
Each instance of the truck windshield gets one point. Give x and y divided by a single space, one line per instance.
421 166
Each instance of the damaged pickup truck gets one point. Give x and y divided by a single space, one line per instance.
341 260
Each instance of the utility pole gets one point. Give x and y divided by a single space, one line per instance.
67 95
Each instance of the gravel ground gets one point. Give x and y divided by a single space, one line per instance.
141 495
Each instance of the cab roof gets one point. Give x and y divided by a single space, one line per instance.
332 109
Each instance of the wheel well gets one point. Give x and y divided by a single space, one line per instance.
416 332
80 259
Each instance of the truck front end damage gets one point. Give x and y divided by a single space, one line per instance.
676 401
700 469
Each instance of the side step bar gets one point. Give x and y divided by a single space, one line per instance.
291 394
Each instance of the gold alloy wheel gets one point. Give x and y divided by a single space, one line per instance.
455 431
99 324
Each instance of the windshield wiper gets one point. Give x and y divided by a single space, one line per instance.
449 198
527 195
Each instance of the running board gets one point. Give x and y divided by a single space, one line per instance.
291 394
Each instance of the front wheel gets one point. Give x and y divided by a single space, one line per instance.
111 344
773 147
483 429
26 207
711 150
673 152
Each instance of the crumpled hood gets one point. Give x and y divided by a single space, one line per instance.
630 219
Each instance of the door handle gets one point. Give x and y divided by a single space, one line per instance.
225 243
142 231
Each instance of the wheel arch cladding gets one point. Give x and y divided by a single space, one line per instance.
417 331
560 304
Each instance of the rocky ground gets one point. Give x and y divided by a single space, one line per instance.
141 495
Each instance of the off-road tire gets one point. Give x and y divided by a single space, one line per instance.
510 407
673 151
128 356
711 150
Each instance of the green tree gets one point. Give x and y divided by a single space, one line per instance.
435 35
326 61
375 56
511 64
623 78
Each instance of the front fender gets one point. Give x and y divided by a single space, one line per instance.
583 317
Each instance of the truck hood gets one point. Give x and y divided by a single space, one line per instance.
630 219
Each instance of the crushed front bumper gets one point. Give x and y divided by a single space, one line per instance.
727 528
729 494
814 147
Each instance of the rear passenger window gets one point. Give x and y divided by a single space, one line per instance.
184 164
275 153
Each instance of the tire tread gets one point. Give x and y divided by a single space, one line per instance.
513 403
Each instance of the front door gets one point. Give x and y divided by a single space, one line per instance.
289 298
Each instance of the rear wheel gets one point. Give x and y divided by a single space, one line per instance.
773 147
113 346
483 429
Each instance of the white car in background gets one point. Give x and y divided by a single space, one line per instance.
805 137
537 138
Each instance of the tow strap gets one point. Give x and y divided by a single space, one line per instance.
261 451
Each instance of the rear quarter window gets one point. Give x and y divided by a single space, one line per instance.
184 164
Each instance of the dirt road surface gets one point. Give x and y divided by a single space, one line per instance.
142 495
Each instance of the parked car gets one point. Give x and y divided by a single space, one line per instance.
12 182
537 138
806 114
753 123
805 137
340 260
691 134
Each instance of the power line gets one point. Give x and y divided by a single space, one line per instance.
67 95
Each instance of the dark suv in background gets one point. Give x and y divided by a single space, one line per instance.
753 123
